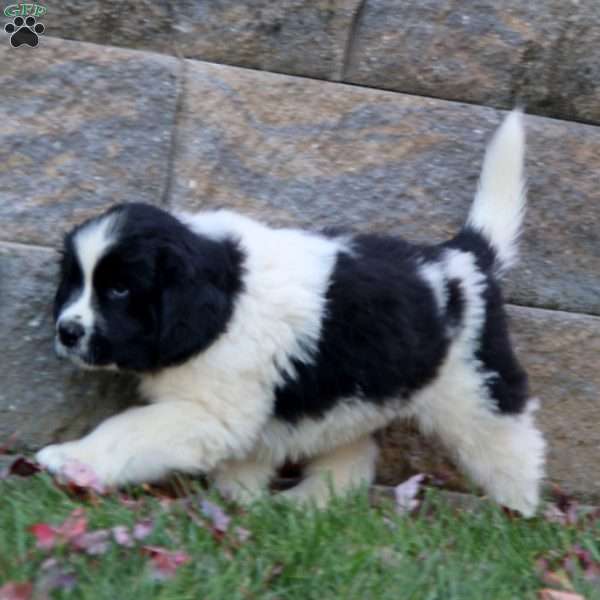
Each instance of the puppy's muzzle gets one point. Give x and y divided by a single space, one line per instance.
70 333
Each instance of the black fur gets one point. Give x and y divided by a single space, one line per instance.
71 277
456 303
381 336
509 386
472 241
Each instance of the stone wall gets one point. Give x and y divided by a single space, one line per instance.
542 53
87 125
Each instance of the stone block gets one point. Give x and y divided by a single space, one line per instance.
83 127
303 37
544 55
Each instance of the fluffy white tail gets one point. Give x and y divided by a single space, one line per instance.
499 206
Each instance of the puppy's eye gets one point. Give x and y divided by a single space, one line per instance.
117 293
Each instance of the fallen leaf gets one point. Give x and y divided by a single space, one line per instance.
219 520
23 467
564 510
164 563
548 594
45 536
580 558
81 476
122 536
54 577
550 571
93 543
16 591
558 578
74 526
143 529
555 567
406 494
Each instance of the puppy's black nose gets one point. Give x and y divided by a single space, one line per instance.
70 333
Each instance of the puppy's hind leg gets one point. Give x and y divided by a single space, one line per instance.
336 473
243 480
503 453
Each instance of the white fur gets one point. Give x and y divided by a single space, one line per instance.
243 480
91 243
349 420
500 200
435 277
346 467
215 411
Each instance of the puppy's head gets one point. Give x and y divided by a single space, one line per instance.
140 291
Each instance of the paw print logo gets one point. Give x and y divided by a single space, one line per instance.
24 31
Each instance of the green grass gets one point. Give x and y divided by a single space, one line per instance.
351 551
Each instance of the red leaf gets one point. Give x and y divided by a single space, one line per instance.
23 467
74 526
164 562
16 591
47 536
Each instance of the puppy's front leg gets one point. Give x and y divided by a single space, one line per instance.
144 444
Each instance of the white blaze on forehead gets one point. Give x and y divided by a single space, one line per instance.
90 245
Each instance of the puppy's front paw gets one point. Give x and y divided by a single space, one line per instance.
53 458
68 463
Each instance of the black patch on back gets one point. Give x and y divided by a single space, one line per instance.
381 335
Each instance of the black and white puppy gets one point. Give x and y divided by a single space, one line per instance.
257 345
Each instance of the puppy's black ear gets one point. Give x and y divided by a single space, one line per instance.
199 281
